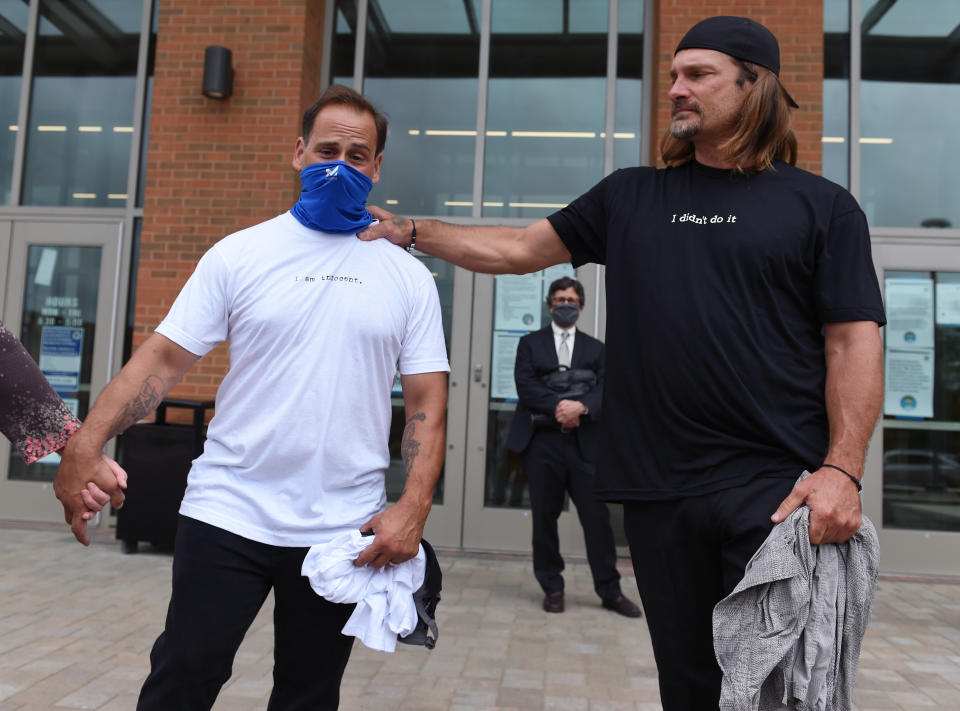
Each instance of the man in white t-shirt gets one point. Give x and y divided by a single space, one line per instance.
318 324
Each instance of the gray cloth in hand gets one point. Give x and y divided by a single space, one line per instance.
789 634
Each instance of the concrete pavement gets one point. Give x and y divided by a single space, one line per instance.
76 627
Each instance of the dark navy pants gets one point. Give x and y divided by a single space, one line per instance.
688 554
220 581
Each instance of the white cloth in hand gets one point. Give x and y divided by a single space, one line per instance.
384 597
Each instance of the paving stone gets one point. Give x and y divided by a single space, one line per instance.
77 625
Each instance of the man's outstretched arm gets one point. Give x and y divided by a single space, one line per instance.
398 530
134 393
493 249
854 394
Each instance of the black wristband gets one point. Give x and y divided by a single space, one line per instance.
413 237
844 471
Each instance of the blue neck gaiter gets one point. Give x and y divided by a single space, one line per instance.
333 198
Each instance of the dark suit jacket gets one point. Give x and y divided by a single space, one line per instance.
537 356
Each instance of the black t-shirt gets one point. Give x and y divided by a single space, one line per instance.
718 286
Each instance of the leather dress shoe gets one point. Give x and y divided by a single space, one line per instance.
622 606
553 602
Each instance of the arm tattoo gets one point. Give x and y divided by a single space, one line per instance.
145 402
398 221
409 447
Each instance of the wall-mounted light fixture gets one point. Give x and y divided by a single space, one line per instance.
217 73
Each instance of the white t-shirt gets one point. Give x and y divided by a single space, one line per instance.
318 326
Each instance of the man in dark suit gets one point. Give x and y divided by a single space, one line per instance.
559 374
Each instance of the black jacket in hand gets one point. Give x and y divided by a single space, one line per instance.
537 357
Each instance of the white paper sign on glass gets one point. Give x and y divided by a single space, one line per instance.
909 305
61 350
909 383
517 302
502 383
948 303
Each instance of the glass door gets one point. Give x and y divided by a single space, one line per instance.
60 300
455 287
5 228
912 489
496 512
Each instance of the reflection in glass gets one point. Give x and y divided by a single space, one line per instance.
921 455
519 307
425 79
147 109
443 273
344 43
626 145
454 17
545 113
836 92
81 115
909 96
13 33
59 313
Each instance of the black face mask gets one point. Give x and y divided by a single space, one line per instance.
565 315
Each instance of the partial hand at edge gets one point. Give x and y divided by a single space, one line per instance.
95 498
398 230
835 508
397 533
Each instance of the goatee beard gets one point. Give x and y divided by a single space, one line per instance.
685 130
691 126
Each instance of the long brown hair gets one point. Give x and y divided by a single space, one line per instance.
763 134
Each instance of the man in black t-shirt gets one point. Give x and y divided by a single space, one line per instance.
743 340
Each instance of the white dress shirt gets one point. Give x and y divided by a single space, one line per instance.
558 336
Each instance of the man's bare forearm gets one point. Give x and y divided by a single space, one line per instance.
489 249
854 391
135 392
424 437
422 448
152 390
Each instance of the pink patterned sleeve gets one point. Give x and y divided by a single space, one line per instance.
32 415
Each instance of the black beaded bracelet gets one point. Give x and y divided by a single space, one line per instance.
844 471
413 237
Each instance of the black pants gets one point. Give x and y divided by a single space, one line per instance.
220 581
553 465
688 555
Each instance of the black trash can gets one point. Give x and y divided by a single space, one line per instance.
157 458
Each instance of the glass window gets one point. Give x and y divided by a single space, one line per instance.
81 114
519 307
836 91
626 137
546 105
344 43
147 108
921 424
58 327
395 476
13 34
424 78
910 96
454 17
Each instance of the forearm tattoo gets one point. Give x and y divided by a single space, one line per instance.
410 447
145 402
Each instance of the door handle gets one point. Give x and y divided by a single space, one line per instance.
478 373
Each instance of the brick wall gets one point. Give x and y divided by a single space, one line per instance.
216 166
797 24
